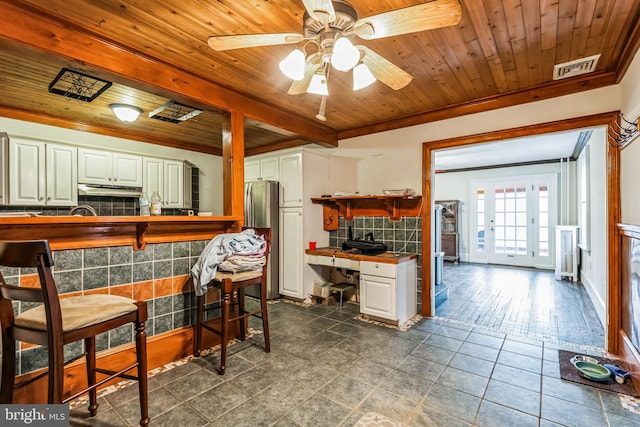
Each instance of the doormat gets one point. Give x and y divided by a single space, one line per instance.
570 373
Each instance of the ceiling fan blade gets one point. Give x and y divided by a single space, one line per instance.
311 65
320 10
220 43
384 70
421 17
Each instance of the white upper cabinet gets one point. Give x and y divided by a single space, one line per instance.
42 174
291 180
261 169
4 169
171 179
173 184
110 168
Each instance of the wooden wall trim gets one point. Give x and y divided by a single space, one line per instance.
614 241
233 163
630 355
547 91
24 26
613 204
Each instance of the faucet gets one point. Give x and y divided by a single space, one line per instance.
85 207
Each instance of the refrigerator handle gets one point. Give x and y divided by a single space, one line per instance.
248 205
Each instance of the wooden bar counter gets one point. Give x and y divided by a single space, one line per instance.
75 232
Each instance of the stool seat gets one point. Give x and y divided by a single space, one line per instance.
79 312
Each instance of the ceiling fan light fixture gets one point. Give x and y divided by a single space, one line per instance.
362 77
293 65
345 55
318 85
126 113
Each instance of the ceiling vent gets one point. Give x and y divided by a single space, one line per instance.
77 85
174 112
575 68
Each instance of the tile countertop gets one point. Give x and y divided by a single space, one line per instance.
385 257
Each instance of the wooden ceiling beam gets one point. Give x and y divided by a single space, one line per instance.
29 27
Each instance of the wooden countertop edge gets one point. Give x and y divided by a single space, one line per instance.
386 257
65 232
11 220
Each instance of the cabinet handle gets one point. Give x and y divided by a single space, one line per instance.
376 265
110 178
115 179
49 198
40 198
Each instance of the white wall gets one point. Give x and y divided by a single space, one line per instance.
630 156
393 159
593 272
210 166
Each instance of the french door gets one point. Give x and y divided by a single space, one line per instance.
512 220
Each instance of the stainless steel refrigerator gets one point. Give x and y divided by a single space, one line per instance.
261 203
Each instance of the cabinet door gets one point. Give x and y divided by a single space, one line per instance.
153 176
378 296
251 170
173 184
127 170
269 169
291 180
62 175
4 170
94 166
291 253
26 172
187 193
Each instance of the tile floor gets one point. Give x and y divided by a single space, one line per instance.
327 368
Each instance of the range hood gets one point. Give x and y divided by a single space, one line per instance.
108 190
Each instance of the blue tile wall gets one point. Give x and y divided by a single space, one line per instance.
87 269
399 236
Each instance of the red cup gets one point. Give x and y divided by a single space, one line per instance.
312 245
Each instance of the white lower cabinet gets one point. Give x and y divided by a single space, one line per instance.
291 253
388 291
42 174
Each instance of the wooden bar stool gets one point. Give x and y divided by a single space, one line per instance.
233 285
62 321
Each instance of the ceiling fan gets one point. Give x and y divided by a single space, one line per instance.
327 27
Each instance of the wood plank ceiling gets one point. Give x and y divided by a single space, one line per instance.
501 53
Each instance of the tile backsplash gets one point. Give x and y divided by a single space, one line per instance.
399 236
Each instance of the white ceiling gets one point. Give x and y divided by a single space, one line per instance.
519 150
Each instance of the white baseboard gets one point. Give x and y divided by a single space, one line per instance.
596 299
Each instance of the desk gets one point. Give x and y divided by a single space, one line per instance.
387 280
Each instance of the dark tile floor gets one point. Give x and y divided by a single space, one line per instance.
328 369
526 301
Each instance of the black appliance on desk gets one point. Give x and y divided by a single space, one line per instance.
365 246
